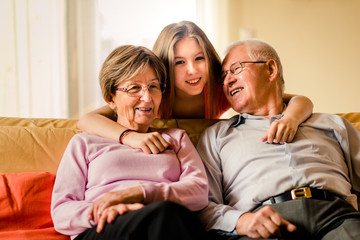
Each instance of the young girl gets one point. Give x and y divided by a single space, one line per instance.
193 90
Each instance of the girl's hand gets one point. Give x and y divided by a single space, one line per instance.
151 142
281 131
128 195
109 214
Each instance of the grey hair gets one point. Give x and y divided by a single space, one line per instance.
259 51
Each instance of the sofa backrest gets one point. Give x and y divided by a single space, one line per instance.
37 145
32 149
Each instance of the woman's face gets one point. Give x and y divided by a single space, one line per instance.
190 68
138 112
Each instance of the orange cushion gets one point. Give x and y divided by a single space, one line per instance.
25 204
33 234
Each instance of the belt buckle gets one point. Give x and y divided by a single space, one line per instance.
303 192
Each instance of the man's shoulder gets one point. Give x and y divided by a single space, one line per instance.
222 124
219 127
324 118
326 121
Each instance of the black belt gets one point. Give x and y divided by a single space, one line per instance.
303 192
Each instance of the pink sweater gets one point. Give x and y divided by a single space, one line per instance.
92 166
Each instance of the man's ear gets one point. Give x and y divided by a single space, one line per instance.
273 69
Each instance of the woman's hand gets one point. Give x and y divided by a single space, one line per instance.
151 142
109 214
128 195
281 131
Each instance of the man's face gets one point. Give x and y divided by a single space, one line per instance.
245 91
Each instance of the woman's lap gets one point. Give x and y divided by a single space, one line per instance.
160 220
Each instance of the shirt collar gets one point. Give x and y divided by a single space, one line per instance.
241 118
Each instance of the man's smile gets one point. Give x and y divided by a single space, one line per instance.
233 92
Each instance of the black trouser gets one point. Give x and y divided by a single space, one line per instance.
161 220
314 219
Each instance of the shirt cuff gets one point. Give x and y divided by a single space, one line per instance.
230 219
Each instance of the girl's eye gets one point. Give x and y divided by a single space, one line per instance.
199 58
179 62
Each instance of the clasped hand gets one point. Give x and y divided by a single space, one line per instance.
107 207
152 142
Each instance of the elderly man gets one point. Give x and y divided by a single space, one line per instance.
299 190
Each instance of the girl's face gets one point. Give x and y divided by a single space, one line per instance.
138 112
190 68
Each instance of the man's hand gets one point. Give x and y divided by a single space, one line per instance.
264 223
128 195
109 214
281 131
151 142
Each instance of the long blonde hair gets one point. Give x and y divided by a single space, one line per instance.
164 48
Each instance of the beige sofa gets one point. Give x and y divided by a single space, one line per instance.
30 152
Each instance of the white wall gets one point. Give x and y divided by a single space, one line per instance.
49 50
50 58
32 59
317 40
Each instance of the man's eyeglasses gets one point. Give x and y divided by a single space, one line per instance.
236 68
137 90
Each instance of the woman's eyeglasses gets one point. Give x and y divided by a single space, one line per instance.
137 90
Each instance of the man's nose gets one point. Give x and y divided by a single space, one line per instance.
229 79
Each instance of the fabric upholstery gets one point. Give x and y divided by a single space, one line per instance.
25 206
32 149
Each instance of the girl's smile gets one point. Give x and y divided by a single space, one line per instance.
190 68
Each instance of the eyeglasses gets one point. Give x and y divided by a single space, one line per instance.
237 67
137 90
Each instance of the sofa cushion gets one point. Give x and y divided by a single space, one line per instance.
25 205
352 117
39 122
33 234
32 149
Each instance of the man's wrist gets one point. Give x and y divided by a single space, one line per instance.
240 224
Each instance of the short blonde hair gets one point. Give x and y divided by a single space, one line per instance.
126 62
164 48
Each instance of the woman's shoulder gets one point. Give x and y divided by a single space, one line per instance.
89 139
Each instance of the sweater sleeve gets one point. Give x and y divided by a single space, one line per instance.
191 190
69 210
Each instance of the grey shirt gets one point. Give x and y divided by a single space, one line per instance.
243 171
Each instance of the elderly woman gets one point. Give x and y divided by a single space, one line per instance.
107 190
